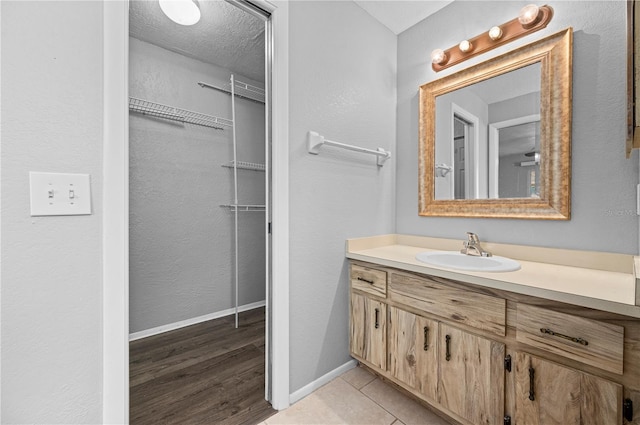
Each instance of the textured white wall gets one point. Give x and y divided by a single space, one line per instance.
51 266
342 85
603 181
181 241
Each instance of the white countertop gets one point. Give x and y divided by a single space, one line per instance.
602 281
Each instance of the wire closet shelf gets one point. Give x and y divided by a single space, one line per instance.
243 165
240 89
159 110
247 208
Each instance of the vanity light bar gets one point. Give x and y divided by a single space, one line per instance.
530 19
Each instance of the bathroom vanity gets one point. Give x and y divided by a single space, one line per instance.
555 342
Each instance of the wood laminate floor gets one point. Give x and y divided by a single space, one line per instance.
209 373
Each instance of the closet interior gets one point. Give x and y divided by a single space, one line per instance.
197 265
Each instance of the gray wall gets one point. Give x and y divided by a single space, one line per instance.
51 266
342 85
181 241
514 179
603 181
527 104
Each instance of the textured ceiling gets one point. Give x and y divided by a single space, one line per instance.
233 39
225 35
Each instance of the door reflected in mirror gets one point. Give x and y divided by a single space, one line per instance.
488 133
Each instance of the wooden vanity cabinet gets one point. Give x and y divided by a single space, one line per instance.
445 342
462 371
368 330
550 394
413 350
471 382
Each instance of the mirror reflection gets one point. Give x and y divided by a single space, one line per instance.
487 138
518 160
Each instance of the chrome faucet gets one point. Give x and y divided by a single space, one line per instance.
472 246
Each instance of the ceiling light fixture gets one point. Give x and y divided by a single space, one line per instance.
530 19
183 12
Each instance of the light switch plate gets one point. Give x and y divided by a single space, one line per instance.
59 194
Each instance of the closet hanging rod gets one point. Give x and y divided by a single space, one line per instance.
240 207
159 110
315 140
255 94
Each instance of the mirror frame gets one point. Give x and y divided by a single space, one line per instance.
555 55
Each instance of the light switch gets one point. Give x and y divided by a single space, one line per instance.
60 194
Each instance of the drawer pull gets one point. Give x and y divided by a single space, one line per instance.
532 395
447 339
365 280
425 346
559 335
377 323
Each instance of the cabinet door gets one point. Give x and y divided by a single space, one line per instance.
471 376
550 394
413 355
368 330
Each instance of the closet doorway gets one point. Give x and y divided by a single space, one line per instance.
198 215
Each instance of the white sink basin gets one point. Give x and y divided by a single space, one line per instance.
458 261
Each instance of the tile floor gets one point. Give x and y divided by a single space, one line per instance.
356 397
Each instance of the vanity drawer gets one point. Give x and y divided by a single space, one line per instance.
457 305
588 341
369 280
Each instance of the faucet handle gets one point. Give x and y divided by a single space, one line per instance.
473 238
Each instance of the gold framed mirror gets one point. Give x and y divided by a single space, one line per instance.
495 138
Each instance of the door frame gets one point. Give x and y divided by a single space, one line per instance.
115 200
472 163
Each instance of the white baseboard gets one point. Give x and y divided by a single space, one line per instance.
181 324
311 387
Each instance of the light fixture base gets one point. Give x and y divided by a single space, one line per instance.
482 43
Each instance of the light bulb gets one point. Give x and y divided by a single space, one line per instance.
529 15
438 57
183 12
495 33
465 46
